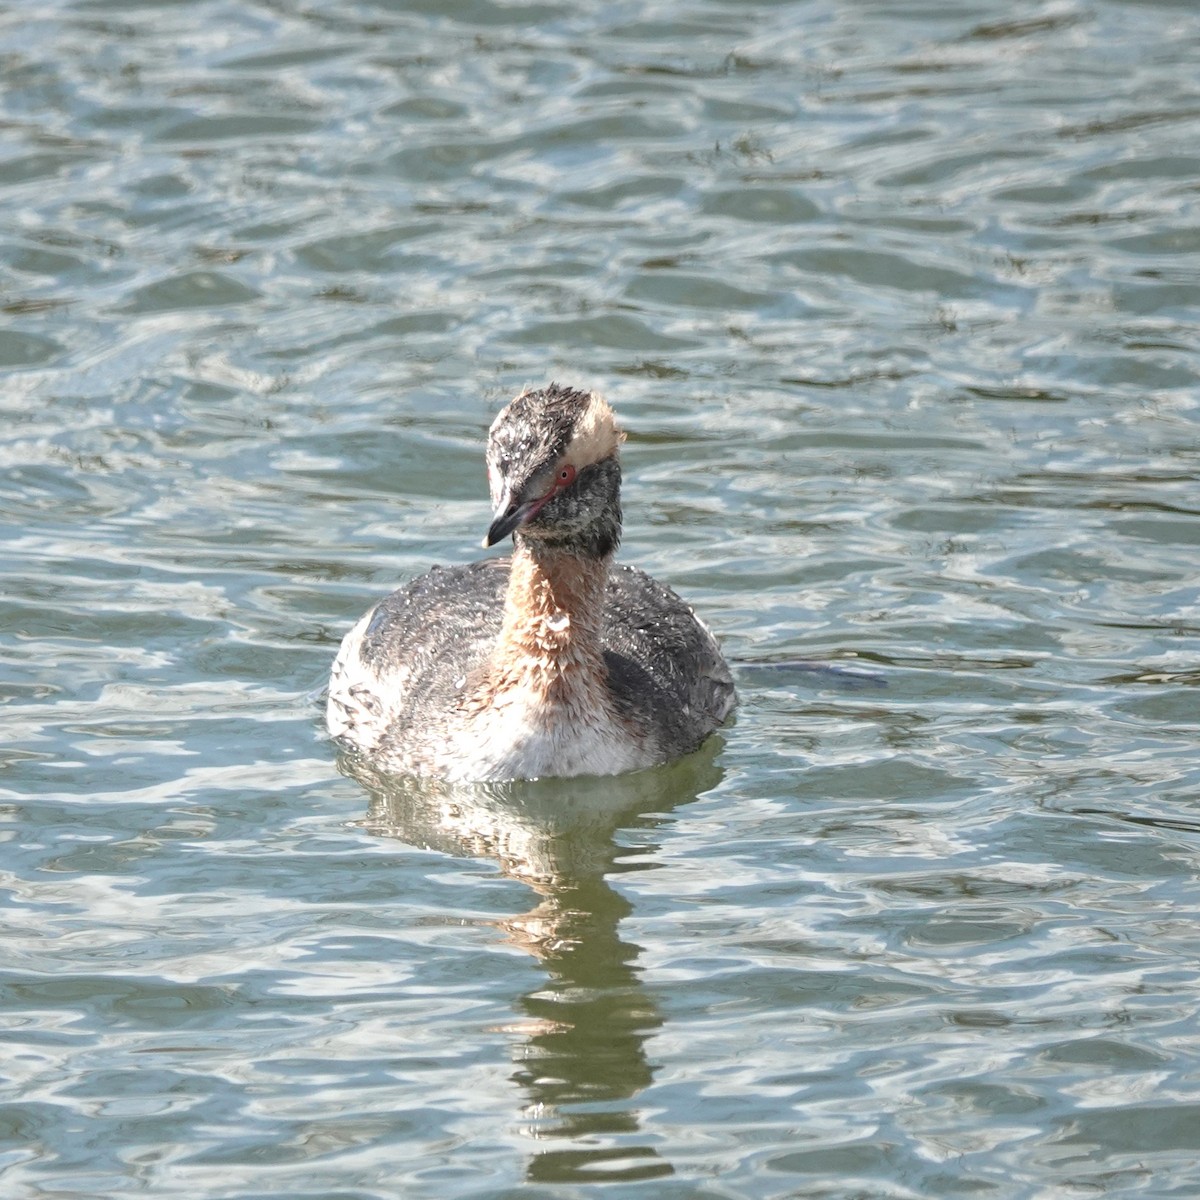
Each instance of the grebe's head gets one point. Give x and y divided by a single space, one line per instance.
554 471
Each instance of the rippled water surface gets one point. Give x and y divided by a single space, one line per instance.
899 304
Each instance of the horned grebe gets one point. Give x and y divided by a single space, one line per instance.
545 664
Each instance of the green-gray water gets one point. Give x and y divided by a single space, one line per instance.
899 303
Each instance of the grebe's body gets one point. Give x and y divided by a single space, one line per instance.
550 663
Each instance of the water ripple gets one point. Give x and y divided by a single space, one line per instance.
898 306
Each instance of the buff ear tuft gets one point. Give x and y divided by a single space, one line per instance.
596 435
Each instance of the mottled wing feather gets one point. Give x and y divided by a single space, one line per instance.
665 668
413 650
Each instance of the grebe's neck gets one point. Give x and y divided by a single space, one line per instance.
553 610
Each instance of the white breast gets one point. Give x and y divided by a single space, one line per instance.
519 738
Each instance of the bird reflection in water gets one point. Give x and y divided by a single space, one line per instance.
582 1055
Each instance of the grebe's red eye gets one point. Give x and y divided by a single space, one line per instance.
566 475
